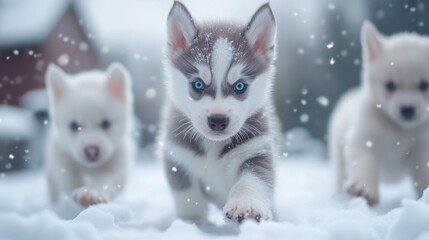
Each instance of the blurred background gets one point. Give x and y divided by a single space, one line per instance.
319 56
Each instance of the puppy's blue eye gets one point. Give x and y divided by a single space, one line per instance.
105 124
424 85
240 87
74 126
198 85
391 86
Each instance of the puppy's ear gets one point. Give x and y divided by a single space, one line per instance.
261 31
372 42
181 28
118 81
56 82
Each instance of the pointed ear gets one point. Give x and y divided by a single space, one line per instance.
372 41
118 81
181 28
261 30
56 82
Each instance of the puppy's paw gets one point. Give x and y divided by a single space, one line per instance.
360 189
238 210
86 197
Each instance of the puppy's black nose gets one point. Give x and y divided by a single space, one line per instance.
92 152
408 112
218 122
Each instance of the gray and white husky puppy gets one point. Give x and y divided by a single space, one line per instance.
217 139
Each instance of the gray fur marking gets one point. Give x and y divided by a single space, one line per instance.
209 91
180 129
176 175
261 166
256 125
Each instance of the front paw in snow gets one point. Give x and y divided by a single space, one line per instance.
361 189
86 196
238 210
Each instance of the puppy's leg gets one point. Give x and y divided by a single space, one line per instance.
336 156
107 183
52 188
419 168
362 168
190 202
251 197
62 179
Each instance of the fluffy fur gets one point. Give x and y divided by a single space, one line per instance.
380 131
89 148
218 144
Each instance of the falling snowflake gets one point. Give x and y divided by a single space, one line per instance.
151 93
83 46
285 154
16 52
323 101
46 122
378 105
392 63
8 166
105 49
208 188
63 60
332 61
356 62
330 45
174 169
304 118
11 156
368 144
304 91
137 56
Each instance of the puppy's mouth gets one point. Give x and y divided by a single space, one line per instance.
217 135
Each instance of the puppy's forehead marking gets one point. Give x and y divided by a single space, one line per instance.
221 59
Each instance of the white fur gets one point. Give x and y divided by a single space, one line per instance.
88 98
369 140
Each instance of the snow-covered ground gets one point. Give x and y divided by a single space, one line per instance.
304 203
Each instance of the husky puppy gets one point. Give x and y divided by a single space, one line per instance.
380 131
89 148
217 136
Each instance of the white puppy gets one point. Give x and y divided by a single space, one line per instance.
380 131
89 148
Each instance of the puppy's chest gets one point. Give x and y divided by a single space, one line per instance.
394 152
212 168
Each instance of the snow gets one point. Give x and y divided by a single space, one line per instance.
15 123
306 208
